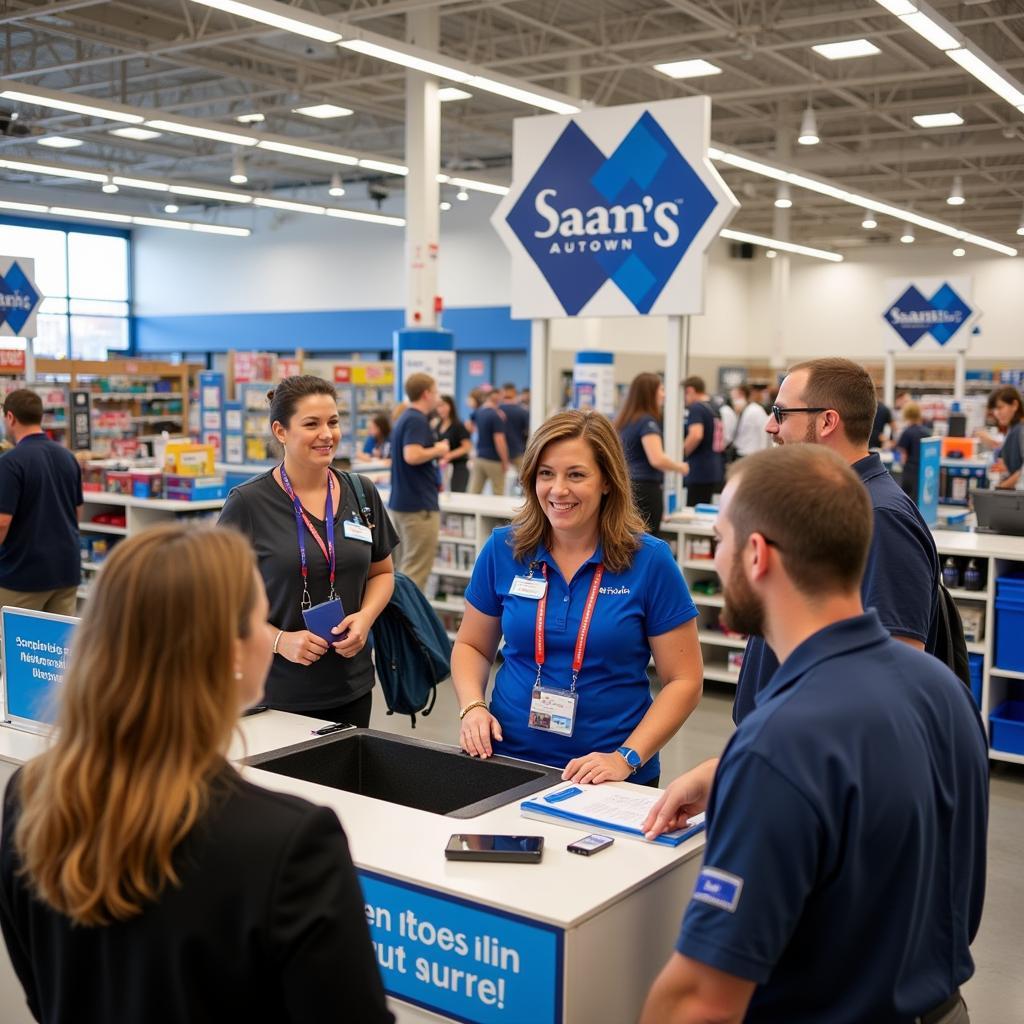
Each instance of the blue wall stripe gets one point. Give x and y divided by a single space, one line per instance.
478 327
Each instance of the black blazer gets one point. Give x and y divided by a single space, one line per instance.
267 926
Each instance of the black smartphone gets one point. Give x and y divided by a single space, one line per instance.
589 845
511 849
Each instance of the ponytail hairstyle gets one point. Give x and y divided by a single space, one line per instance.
146 711
285 398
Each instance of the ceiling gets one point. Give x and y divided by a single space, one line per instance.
184 58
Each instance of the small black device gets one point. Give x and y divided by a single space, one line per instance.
510 849
326 730
999 511
589 845
256 709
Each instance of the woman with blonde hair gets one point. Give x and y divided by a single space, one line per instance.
583 597
141 878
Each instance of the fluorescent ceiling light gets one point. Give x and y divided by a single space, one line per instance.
59 142
928 29
159 222
57 172
220 229
907 236
407 60
783 200
897 7
67 211
449 93
696 68
987 75
383 165
254 118
26 207
775 243
808 128
287 204
275 15
337 188
946 120
846 49
1006 250
139 134
238 175
323 111
144 183
200 132
43 98
869 221
308 152
956 193
372 218
514 92
210 193
478 186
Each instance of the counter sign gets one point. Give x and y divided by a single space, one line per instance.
611 211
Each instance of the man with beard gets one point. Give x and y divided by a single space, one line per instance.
831 402
843 877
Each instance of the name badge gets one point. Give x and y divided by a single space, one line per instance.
553 710
530 587
357 531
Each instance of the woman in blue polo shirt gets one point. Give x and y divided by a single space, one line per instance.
583 598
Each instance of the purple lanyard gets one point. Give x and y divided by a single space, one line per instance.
300 518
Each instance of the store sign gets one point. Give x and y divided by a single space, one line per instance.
19 297
35 653
12 360
611 211
462 960
929 314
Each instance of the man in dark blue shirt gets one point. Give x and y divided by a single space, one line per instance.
703 444
40 497
844 872
831 402
491 461
415 510
517 424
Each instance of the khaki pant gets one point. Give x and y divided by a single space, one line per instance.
417 552
484 470
958 1015
59 602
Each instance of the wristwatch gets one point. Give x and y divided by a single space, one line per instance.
633 759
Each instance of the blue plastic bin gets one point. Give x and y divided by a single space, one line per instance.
1010 623
977 664
1006 727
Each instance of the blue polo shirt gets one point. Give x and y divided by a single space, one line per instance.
41 489
844 871
517 427
633 435
706 465
489 421
648 599
900 579
413 488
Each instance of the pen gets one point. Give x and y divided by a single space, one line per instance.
333 727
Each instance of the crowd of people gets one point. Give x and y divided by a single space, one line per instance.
843 877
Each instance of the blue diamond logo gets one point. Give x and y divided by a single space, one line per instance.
17 298
955 310
912 316
630 217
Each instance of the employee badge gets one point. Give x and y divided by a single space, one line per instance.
531 587
553 710
354 530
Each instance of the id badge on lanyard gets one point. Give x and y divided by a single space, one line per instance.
328 549
553 709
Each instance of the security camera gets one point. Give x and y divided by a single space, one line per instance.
377 192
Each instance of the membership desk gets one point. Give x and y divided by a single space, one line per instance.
571 940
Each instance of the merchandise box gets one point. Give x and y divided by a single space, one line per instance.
185 487
183 458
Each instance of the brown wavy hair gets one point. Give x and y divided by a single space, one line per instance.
146 712
641 400
619 522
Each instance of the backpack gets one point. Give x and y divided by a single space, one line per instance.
718 433
950 645
731 454
411 649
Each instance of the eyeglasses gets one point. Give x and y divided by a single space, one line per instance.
781 412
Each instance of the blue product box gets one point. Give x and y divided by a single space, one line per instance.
195 488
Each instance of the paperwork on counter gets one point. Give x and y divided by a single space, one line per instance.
606 808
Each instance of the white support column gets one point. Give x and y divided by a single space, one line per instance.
778 358
676 345
960 377
539 351
30 360
889 382
423 157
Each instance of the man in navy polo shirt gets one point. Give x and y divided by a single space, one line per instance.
491 461
517 424
844 872
831 402
40 497
703 445
415 510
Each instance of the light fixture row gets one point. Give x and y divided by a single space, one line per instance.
124 218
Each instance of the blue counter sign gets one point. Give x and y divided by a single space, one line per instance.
611 211
36 646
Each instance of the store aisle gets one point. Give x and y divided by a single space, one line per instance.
995 994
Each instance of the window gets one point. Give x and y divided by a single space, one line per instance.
83 274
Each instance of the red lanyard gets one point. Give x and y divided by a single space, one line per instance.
300 518
539 648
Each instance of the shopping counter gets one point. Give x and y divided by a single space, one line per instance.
566 941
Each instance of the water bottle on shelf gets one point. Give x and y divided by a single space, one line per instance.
972 576
951 574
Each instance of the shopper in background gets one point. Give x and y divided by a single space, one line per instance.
450 428
576 574
1008 409
40 501
844 872
639 427
141 877
524 398
415 479
517 424
377 447
703 444
881 426
909 446
749 436
474 400
832 402
491 461
313 542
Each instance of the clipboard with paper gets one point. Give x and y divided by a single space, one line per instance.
605 808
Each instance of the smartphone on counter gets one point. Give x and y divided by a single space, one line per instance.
589 845
509 849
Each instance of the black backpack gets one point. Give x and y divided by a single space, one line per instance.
950 645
